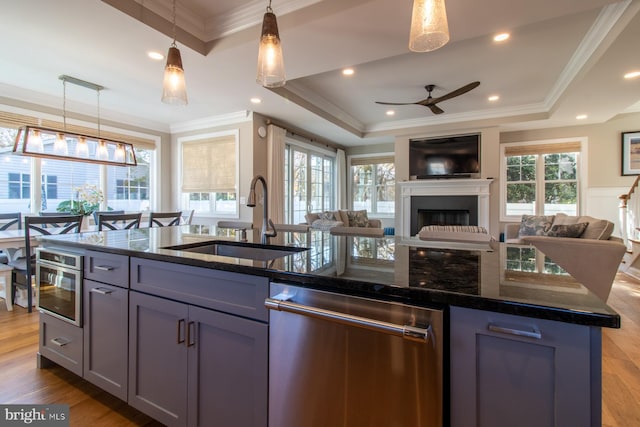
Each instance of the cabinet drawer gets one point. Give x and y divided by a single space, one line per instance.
107 268
61 342
233 293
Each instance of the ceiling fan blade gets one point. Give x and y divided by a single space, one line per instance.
457 92
395 103
435 109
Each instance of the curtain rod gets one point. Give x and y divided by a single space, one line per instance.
311 138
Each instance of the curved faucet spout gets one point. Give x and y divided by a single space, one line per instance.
268 229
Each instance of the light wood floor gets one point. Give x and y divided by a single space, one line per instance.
22 382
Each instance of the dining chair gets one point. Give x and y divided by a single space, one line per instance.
14 220
187 216
117 221
96 213
23 268
164 219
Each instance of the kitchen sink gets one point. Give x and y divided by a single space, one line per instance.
253 251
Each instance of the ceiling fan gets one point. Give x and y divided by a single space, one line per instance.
431 102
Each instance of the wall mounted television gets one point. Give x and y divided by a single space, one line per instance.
447 157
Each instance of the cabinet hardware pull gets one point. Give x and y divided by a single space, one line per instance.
101 291
190 326
60 341
405 331
103 267
534 333
180 331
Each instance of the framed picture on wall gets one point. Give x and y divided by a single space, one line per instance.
631 153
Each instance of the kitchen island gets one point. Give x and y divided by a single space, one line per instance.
522 343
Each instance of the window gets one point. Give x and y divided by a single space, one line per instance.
19 185
541 178
126 187
373 184
209 174
309 182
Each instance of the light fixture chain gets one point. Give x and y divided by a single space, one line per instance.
98 99
269 7
174 21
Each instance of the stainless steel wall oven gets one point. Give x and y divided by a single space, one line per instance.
59 284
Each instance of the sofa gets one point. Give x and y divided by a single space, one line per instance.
345 222
581 245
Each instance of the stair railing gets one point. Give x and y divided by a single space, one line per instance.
629 217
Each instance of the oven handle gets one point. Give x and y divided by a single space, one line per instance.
405 331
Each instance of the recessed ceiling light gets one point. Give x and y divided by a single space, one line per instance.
390 113
348 72
493 98
501 37
256 100
155 55
632 75
581 116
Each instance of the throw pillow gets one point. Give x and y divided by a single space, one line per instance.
599 229
535 225
358 218
328 216
567 230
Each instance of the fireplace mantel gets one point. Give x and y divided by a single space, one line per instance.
442 187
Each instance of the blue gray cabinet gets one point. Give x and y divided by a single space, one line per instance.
510 370
105 336
188 363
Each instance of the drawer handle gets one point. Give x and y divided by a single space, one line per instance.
103 267
534 333
60 341
181 334
102 291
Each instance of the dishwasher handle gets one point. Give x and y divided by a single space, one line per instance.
412 333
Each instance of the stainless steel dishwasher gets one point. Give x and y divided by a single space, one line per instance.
343 361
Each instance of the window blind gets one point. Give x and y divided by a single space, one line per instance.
209 165
528 150
13 120
359 161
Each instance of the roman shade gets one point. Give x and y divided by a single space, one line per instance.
528 150
359 161
209 165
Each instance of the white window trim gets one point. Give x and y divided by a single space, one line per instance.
182 140
582 177
350 180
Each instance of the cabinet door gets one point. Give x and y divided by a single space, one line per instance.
106 315
228 368
500 377
158 358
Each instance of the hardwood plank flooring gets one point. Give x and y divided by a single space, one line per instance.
22 382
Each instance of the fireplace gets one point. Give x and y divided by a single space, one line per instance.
453 201
443 210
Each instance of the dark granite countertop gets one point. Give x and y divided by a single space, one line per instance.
497 277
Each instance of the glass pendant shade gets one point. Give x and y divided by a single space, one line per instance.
36 142
429 27
174 89
118 155
60 146
82 148
101 151
270 59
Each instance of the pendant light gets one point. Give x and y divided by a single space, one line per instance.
174 89
37 141
270 60
429 27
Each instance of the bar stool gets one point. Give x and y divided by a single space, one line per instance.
5 285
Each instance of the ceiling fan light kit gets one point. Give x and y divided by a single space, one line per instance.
174 88
270 59
429 27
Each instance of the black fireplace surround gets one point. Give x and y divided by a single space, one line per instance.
453 210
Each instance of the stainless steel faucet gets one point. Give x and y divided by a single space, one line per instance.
268 229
